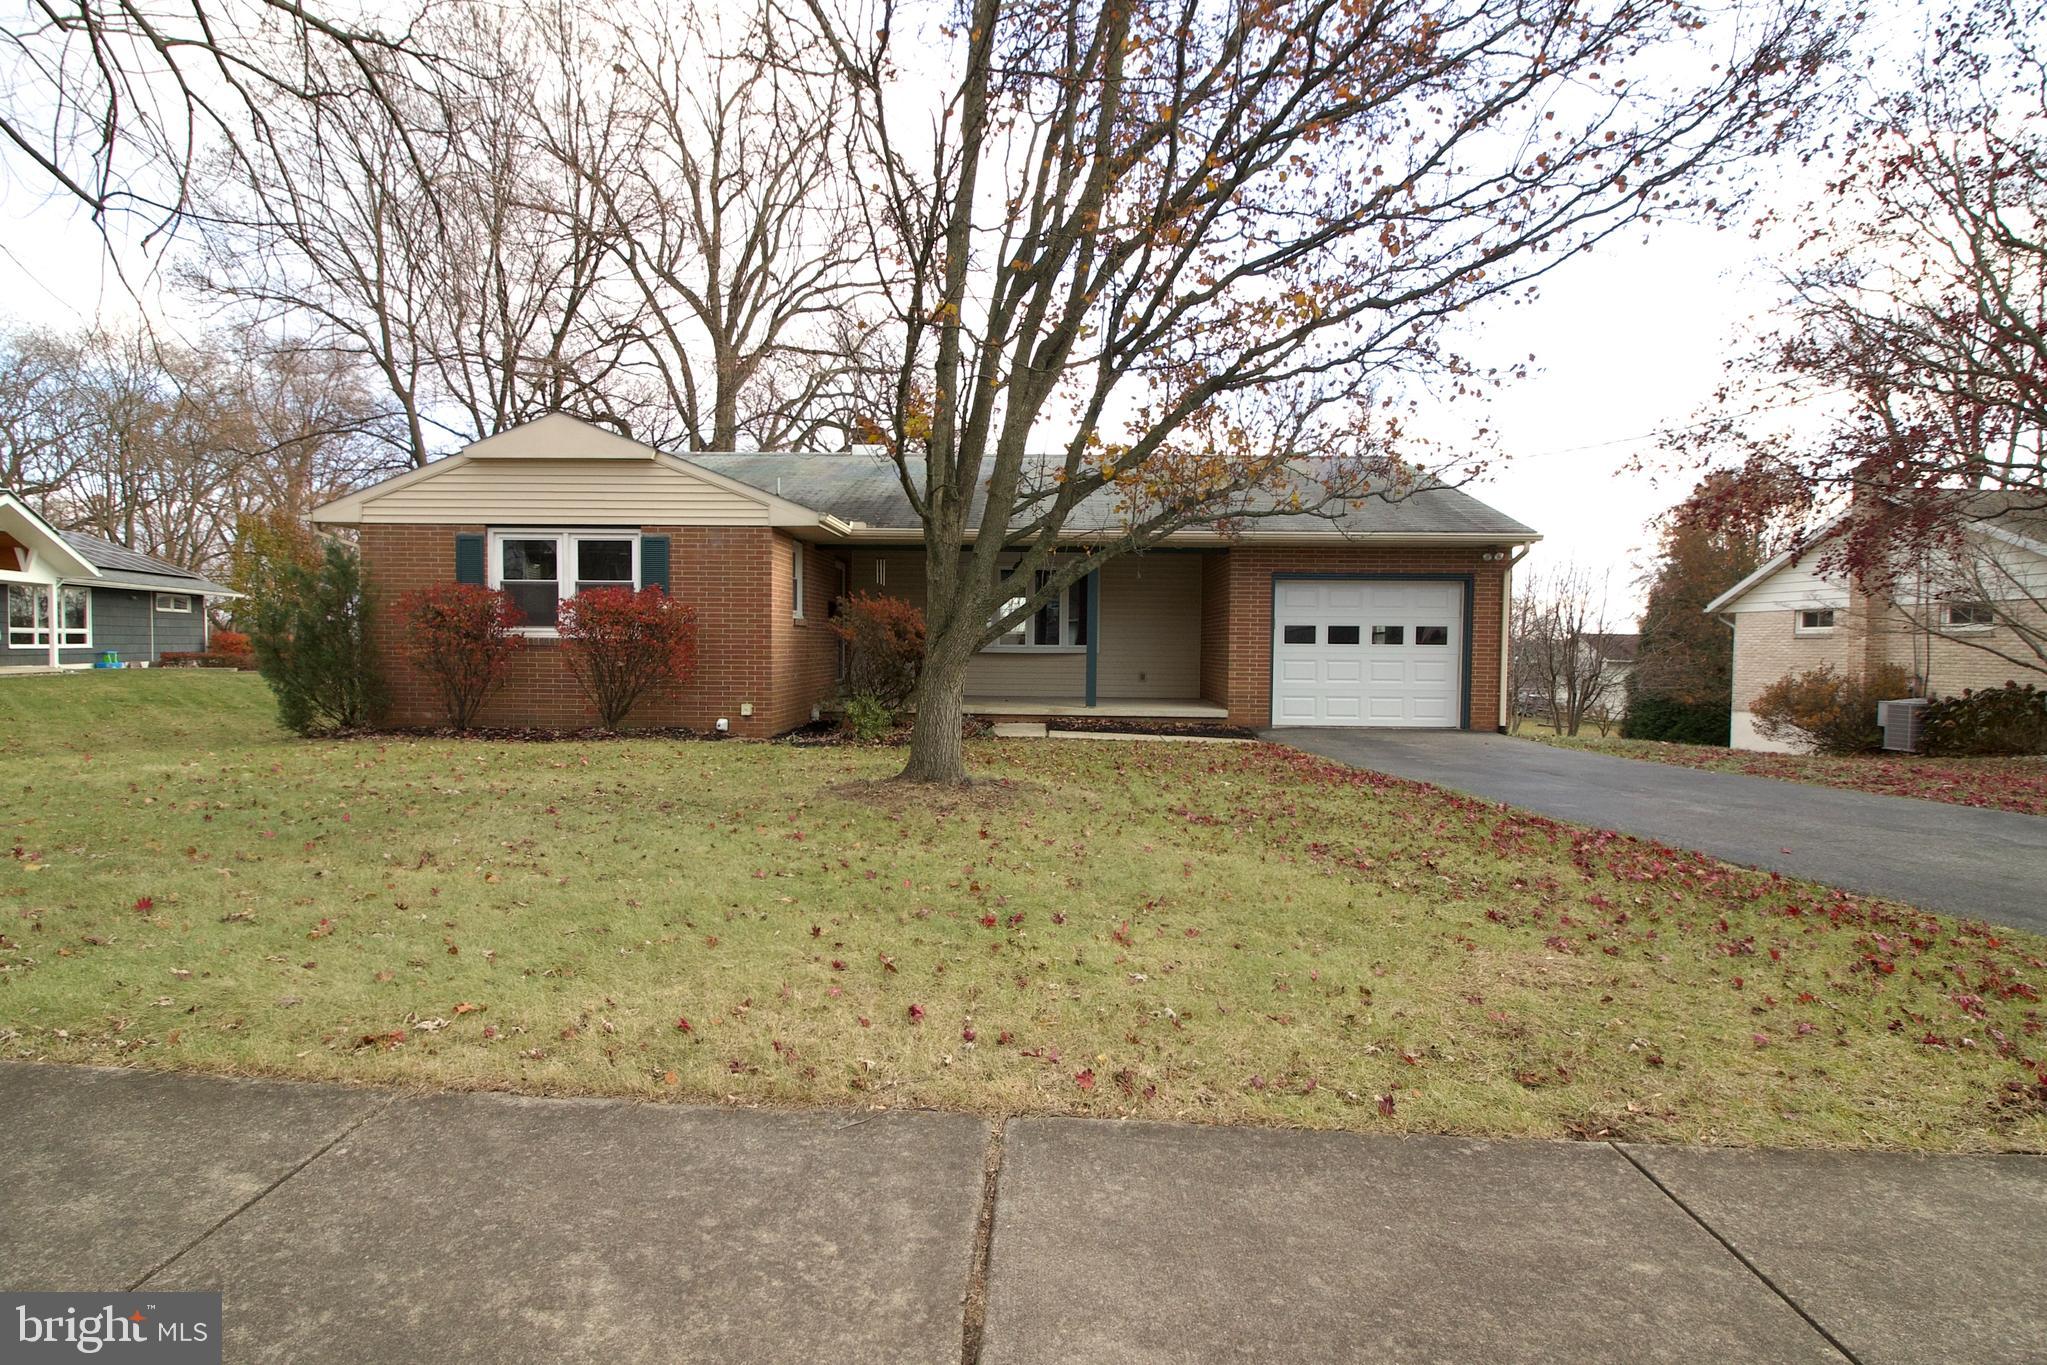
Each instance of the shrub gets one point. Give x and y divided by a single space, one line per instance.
1826 711
885 640
867 717
463 636
312 641
205 658
2011 719
229 642
622 644
1677 722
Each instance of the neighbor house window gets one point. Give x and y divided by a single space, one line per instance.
540 569
1813 621
1059 624
796 578
1967 615
178 602
28 617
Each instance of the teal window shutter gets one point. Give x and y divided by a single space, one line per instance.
469 559
654 562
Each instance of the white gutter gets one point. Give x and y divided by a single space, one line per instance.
896 535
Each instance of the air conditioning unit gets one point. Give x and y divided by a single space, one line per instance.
1900 721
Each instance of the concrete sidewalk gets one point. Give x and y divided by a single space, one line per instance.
350 1225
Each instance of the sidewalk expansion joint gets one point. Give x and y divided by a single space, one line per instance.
1738 1255
161 1266
974 1305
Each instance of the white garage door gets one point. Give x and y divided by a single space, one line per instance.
1365 651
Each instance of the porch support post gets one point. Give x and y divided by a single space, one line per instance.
1094 629
56 635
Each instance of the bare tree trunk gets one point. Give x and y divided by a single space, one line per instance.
936 754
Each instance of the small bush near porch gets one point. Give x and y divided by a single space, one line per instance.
1225 933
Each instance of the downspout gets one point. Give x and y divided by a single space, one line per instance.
1507 636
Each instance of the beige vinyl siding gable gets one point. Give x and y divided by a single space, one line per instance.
543 492
1793 586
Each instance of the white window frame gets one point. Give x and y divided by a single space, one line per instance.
51 596
172 599
1800 628
1954 627
1029 625
566 539
796 580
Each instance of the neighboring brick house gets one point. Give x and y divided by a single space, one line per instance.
72 600
1975 623
1390 614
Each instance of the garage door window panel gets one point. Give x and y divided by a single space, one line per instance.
1432 635
1389 635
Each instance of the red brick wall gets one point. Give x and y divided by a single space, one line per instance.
724 572
806 652
1215 628
1237 661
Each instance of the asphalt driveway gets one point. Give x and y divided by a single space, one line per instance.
1987 863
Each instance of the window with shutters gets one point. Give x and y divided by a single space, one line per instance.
543 568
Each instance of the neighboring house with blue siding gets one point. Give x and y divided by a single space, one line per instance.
71 598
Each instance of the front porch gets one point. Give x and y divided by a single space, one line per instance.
1191 708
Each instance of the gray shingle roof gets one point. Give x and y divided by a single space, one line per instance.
132 566
863 487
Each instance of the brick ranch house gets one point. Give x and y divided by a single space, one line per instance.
1391 615
1972 620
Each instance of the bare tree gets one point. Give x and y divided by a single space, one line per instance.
113 102
714 180
1147 256
438 250
166 448
1563 657
41 415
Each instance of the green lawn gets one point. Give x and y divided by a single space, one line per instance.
1227 933
2015 784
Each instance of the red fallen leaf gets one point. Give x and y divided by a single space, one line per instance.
1737 983
916 1014
837 965
1122 935
816 931
1084 1078
967 1034
1005 1037
864 1023
1760 1039
490 1030
1016 919
1058 918
683 1026
1257 1082
464 1007
987 921
1386 1106
144 903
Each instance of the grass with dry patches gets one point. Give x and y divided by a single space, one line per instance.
1235 934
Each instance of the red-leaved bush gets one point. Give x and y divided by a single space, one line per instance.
885 643
230 642
463 636
622 645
